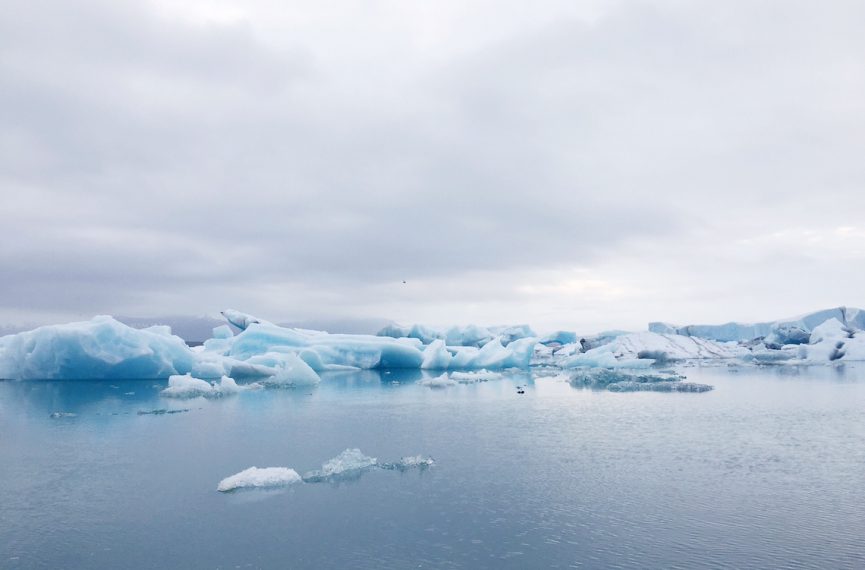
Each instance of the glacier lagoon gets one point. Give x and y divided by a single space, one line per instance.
763 471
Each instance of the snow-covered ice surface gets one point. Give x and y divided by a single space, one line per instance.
259 477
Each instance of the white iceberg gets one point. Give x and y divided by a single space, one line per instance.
259 477
185 386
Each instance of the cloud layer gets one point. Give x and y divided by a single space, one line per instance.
583 167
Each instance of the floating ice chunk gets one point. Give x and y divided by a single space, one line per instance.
658 387
161 412
640 350
188 387
436 356
438 382
600 377
411 462
101 348
55 415
263 477
288 369
472 377
348 462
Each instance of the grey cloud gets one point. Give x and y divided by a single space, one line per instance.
154 165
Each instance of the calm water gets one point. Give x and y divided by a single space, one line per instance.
768 470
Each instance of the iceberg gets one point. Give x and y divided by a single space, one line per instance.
641 350
785 331
101 348
471 335
259 477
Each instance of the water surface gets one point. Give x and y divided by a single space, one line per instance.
767 470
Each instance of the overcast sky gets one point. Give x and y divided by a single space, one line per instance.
582 165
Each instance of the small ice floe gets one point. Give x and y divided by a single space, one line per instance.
438 382
186 386
411 462
259 477
55 415
349 461
619 380
658 387
161 412
476 376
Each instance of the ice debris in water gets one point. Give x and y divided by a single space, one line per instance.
161 412
259 477
56 415
472 377
350 460
438 382
629 386
186 386
411 462
349 463
629 381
